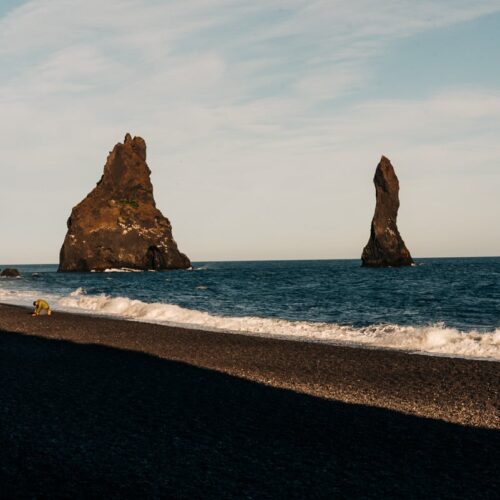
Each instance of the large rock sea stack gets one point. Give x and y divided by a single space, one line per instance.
386 248
118 225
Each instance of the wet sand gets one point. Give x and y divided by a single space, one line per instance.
109 408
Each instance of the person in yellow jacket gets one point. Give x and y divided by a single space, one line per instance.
41 305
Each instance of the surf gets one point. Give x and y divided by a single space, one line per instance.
431 339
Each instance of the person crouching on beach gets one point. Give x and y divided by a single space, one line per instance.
40 306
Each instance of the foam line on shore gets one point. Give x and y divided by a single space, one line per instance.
436 339
432 339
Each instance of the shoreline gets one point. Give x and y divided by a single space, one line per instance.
106 408
279 335
451 389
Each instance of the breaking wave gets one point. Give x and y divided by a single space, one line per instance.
436 339
432 339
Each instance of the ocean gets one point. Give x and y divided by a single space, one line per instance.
440 306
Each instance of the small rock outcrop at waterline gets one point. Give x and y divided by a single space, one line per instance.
10 273
117 225
386 248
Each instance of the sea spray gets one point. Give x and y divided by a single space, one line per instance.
433 339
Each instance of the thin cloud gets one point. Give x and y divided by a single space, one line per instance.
237 100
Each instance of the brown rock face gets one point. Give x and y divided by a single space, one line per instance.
386 247
118 225
10 273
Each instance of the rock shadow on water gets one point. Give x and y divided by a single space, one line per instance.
93 421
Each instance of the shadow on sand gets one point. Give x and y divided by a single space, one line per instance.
92 421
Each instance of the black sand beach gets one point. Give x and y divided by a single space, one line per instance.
105 408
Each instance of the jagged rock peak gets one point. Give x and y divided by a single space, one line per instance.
118 225
138 145
385 247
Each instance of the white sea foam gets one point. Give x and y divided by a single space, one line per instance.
122 270
24 298
434 339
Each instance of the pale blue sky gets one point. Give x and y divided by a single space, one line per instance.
264 120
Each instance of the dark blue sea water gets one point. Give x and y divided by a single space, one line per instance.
325 297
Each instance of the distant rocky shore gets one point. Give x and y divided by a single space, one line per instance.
10 273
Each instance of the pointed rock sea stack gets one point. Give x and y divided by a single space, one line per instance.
386 248
118 225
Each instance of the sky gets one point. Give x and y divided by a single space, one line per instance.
264 120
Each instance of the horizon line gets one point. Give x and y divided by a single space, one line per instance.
281 260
